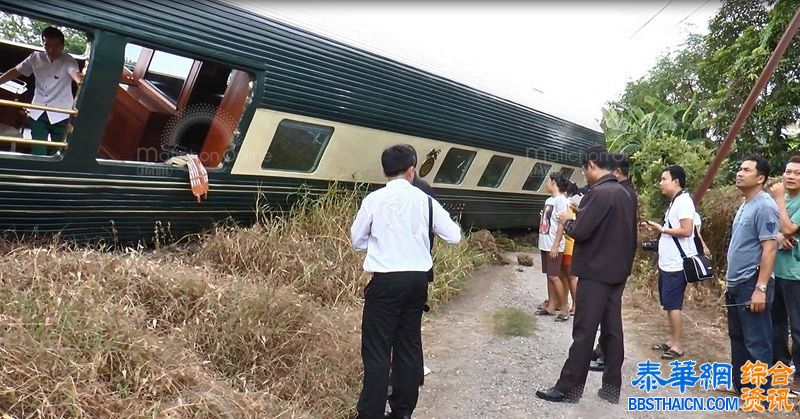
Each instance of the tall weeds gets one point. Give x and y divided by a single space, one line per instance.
253 322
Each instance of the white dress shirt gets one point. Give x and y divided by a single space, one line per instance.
392 226
53 83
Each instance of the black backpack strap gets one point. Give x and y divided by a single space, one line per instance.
680 249
698 244
430 221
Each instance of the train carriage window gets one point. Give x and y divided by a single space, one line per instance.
495 171
567 172
297 146
536 177
169 105
455 166
25 129
168 73
132 53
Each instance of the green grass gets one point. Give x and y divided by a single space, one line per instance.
511 321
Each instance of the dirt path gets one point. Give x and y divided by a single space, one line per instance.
479 375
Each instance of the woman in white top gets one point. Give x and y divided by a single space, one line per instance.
551 246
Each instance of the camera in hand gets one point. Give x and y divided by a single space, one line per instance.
650 245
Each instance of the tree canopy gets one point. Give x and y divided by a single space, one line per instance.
692 95
28 31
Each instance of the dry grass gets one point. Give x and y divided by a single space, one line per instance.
261 322
518 243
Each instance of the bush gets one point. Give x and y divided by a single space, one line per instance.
657 154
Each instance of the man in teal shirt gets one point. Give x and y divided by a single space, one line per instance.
786 307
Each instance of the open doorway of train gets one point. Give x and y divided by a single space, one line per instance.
168 104
20 37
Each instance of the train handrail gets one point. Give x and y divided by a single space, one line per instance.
15 104
57 144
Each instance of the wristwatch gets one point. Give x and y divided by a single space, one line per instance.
761 287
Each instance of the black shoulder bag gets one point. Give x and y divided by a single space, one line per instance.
695 268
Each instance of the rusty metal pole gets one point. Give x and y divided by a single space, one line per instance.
745 110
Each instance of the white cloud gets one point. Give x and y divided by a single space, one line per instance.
580 55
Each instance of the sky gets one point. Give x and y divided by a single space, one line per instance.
564 58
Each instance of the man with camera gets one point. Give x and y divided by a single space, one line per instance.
676 242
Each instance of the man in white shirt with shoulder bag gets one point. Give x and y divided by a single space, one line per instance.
392 226
677 230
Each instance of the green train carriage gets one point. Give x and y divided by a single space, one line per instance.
269 109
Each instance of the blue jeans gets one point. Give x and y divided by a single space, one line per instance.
788 315
750 333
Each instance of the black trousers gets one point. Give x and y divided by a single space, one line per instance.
390 333
597 304
780 326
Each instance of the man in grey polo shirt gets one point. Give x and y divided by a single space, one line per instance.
751 258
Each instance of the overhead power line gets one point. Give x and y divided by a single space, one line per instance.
691 14
651 19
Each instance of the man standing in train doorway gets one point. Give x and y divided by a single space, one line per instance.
54 72
605 242
387 226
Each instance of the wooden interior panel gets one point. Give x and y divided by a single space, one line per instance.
134 127
228 115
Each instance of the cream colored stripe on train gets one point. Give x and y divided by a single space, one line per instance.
353 154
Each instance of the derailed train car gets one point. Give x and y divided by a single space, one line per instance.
268 109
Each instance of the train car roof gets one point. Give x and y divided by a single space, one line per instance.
314 75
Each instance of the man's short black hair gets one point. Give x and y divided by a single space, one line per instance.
414 150
397 159
51 33
676 172
599 156
762 165
794 159
622 162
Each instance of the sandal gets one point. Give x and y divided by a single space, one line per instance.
562 317
543 304
671 354
661 347
572 312
543 312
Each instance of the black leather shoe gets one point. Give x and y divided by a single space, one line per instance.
609 394
393 416
597 365
553 395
